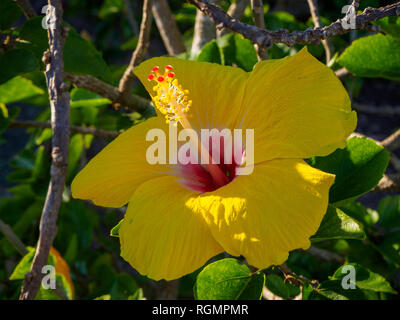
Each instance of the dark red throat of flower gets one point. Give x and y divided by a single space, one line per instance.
197 176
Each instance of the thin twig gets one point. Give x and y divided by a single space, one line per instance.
131 18
389 182
236 11
388 111
325 255
257 8
317 24
392 142
59 104
125 84
26 8
167 27
75 129
342 73
131 102
204 31
168 290
13 238
266 37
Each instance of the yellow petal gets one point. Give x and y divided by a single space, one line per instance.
216 91
297 107
112 176
265 215
161 237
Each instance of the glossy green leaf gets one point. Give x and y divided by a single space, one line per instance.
34 36
115 231
389 212
228 279
83 98
358 168
338 225
18 89
373 56
123 287
276 285
81 57
390 25
210 53
15 62
10 13
238 51
364 279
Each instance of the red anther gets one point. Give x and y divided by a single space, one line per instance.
150 77
160 79
168 67
171 74
155 69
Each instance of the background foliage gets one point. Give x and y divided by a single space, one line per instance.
358 229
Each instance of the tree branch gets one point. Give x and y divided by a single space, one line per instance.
131 102
59 104
317 23
389 182
325 255
76 129
204 31
257 8
125 84
392 142
236 11
388 111
167 27
26 8
265 38
13 238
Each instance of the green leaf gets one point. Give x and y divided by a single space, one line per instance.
373 56
75 151
110 7
123 287
18 89
333 290
364 279
10 13
35 37
115 231
24 266
389 212
6 121
338 225
357 211
81 57
228 279
358 168
238 51
390 25
83 98
276 285
15 62
390 247
210 53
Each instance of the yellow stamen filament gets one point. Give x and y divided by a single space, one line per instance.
172 101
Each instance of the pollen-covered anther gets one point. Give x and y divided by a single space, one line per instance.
170 99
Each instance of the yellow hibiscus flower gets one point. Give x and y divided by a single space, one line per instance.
177 220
